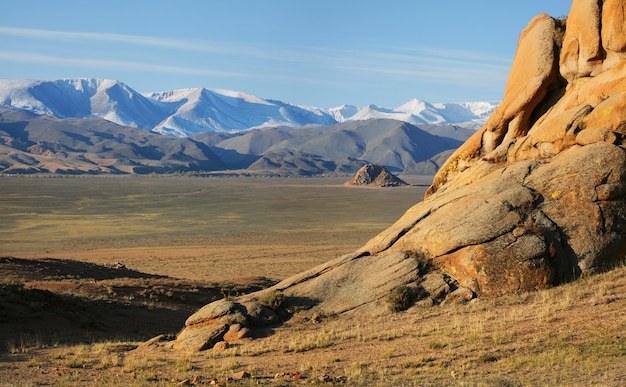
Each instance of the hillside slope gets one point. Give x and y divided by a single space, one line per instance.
31 143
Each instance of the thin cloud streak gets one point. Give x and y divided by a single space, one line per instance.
108 64
115 38
321 56
285 64
476 77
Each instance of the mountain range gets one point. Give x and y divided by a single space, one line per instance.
186 112
76 126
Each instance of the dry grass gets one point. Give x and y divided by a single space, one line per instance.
570 335
194 228
506 341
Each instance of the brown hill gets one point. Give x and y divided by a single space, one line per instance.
31 143
534 199
375 175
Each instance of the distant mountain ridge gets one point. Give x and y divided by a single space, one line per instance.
32 143
185 112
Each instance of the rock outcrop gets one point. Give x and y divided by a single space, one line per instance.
375 175
534 199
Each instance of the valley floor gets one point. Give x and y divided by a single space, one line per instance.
133 257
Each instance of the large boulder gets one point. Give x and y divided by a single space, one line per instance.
534 199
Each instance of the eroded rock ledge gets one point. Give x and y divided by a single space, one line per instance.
534 199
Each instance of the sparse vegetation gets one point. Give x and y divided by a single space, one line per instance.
569 335
399 298
272 299
502 341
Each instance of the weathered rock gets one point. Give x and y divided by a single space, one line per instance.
221 346
460 296
241 375
375 175
534 199
582 51
613 26
200 337
533 75
236 332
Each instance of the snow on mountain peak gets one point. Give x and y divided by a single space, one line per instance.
187 111
241 95
414 105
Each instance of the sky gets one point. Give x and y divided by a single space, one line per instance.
322 53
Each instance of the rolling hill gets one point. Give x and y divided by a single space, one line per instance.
31 143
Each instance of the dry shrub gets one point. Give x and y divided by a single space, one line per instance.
272 299
399 298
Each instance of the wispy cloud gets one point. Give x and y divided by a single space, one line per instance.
179 44
450 66
109 64
289 63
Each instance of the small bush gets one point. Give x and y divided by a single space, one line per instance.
399 298
273 299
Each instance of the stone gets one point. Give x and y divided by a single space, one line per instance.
533 74
221 346
608 114
582 52
236 332
240 375
614 25
200 338
375 175
591 136
534 199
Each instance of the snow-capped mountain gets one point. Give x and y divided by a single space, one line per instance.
203 110
469 115
80 98
189 111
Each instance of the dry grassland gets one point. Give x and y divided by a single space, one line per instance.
572 335
211 229
195 228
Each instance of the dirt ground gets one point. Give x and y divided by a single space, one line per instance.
78 301
570 335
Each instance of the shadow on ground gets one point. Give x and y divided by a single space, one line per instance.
52 301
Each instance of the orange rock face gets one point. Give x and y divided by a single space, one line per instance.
567 76
535 198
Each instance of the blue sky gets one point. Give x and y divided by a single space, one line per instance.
322 53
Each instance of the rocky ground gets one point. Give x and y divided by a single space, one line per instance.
66 322
55 301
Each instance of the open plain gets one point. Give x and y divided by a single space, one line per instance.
94 266
195 228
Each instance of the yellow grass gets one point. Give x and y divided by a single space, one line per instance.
195 227
570 335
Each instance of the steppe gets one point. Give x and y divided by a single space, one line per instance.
95 266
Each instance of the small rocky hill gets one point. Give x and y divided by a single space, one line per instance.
375 175
535 198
